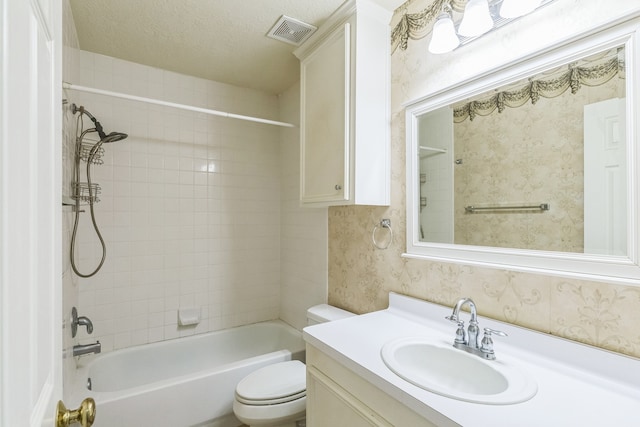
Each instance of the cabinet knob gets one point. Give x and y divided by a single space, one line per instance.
338 187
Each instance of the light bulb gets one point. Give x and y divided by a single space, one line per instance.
443 36
476 20
516 8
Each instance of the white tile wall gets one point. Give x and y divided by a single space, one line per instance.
303 231
189 209
70 63
196 210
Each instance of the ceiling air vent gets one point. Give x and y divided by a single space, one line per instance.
290 30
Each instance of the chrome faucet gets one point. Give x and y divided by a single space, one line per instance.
461 338
80 349
82 321
468 340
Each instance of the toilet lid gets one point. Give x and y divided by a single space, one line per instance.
277 383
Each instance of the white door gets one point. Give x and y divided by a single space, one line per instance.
30 201
605 189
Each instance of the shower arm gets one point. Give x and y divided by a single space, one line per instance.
96 123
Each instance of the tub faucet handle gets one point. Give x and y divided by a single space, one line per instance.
82 321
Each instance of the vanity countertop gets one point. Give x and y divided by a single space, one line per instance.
578 385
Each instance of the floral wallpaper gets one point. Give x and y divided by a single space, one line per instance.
527 155
361 276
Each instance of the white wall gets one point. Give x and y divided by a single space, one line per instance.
303 230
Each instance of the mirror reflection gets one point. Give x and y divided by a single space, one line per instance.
538 164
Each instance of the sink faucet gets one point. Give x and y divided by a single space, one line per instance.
80 349
472 340
468 341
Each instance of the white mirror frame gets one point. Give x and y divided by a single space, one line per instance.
614 269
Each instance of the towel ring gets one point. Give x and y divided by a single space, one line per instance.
384 223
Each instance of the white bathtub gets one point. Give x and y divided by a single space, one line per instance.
182 382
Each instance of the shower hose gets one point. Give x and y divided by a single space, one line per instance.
92 153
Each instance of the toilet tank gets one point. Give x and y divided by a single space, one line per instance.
326 313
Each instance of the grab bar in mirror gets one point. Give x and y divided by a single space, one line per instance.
540 207
437 150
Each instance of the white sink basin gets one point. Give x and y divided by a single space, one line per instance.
437 366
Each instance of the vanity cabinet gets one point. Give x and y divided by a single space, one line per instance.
338 397
345 87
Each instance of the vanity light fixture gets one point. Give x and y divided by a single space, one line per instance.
516 8
476 20
479 17
444 38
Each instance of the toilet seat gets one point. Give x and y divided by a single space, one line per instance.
270 415
272 395
280 400
273 384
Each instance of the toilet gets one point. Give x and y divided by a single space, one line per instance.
276 395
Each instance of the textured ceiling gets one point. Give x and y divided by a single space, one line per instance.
221 40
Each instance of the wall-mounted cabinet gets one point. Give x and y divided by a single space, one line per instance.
345 87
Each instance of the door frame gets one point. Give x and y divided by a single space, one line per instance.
30 211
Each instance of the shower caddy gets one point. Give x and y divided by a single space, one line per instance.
86 191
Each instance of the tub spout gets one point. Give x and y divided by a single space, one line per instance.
80 349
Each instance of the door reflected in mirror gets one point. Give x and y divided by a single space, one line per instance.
539 164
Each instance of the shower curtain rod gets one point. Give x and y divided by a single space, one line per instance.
66 85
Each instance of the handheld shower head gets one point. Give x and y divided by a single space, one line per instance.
112 137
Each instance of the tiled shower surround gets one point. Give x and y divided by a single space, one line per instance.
190 208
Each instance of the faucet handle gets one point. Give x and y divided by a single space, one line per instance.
461 335
487 343
488 332
79 320
453 318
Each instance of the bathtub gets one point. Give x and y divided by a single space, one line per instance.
183 382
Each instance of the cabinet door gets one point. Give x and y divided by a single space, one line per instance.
325 121
328 404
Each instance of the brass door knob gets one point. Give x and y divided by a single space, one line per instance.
84 415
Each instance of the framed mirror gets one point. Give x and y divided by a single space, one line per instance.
533 167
